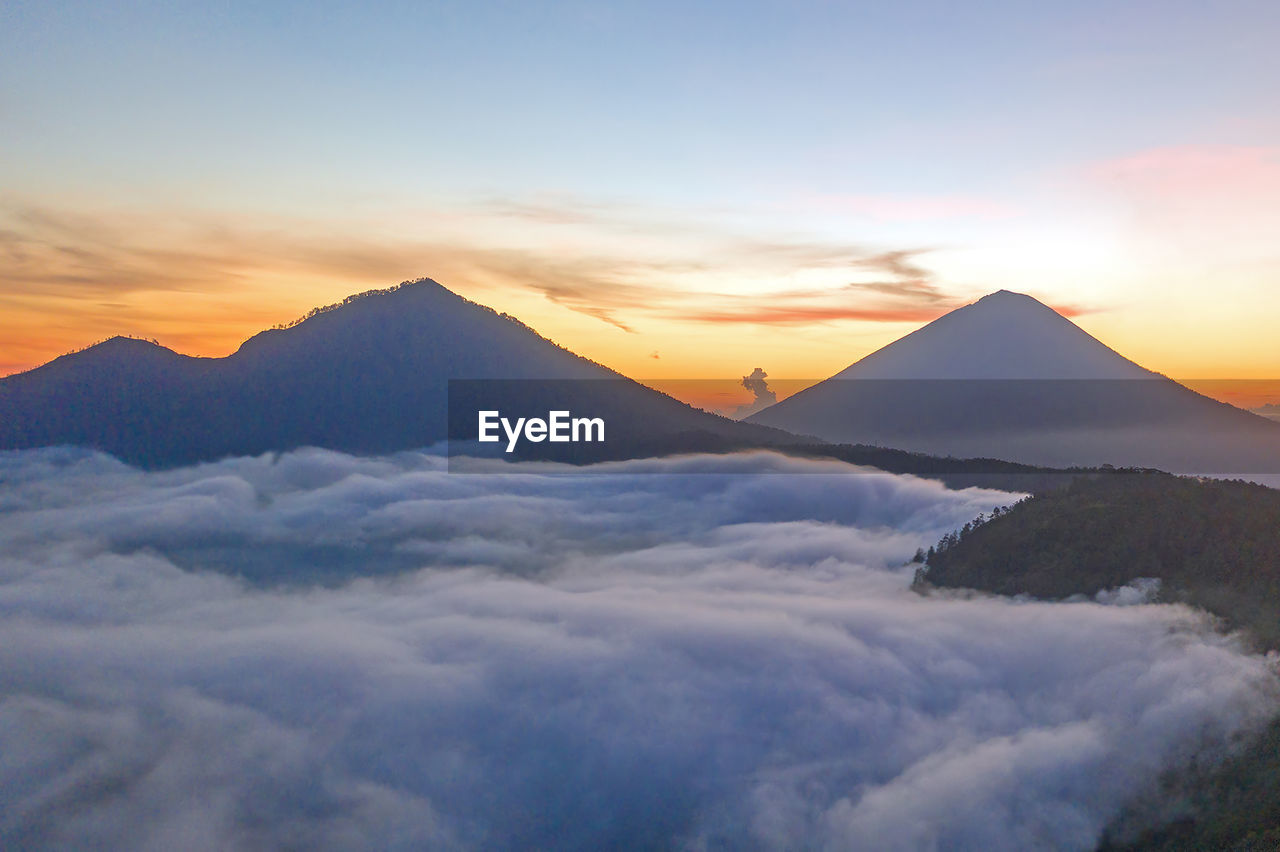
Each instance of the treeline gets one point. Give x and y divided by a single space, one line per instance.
954 539
87 347
419 282
356 297
953 472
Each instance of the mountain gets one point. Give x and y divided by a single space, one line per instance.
369 375
1210 544
1001 336
1008 377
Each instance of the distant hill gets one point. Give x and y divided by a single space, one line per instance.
1212 544
369 375
1008 377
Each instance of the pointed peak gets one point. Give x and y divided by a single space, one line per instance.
1003 335
1009 297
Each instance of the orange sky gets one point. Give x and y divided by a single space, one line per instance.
1167 255
637 184
639 302
1183 283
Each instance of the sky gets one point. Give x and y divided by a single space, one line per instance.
678 192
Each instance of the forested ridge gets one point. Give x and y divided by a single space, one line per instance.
1212 544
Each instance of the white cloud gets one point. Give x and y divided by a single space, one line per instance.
684 659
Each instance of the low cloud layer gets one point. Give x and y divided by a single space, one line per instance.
711 658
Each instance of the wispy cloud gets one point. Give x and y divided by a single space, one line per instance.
794 314
604 287
900 289
1197 171
114 271
54 251
1216 200
598 286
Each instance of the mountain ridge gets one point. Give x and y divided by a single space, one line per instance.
368 375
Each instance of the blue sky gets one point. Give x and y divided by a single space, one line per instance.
974 133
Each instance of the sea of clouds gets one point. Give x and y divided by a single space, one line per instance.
319 651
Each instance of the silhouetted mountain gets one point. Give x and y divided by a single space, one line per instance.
1007 377
370 375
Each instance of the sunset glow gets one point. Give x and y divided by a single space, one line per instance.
709 222
769 425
